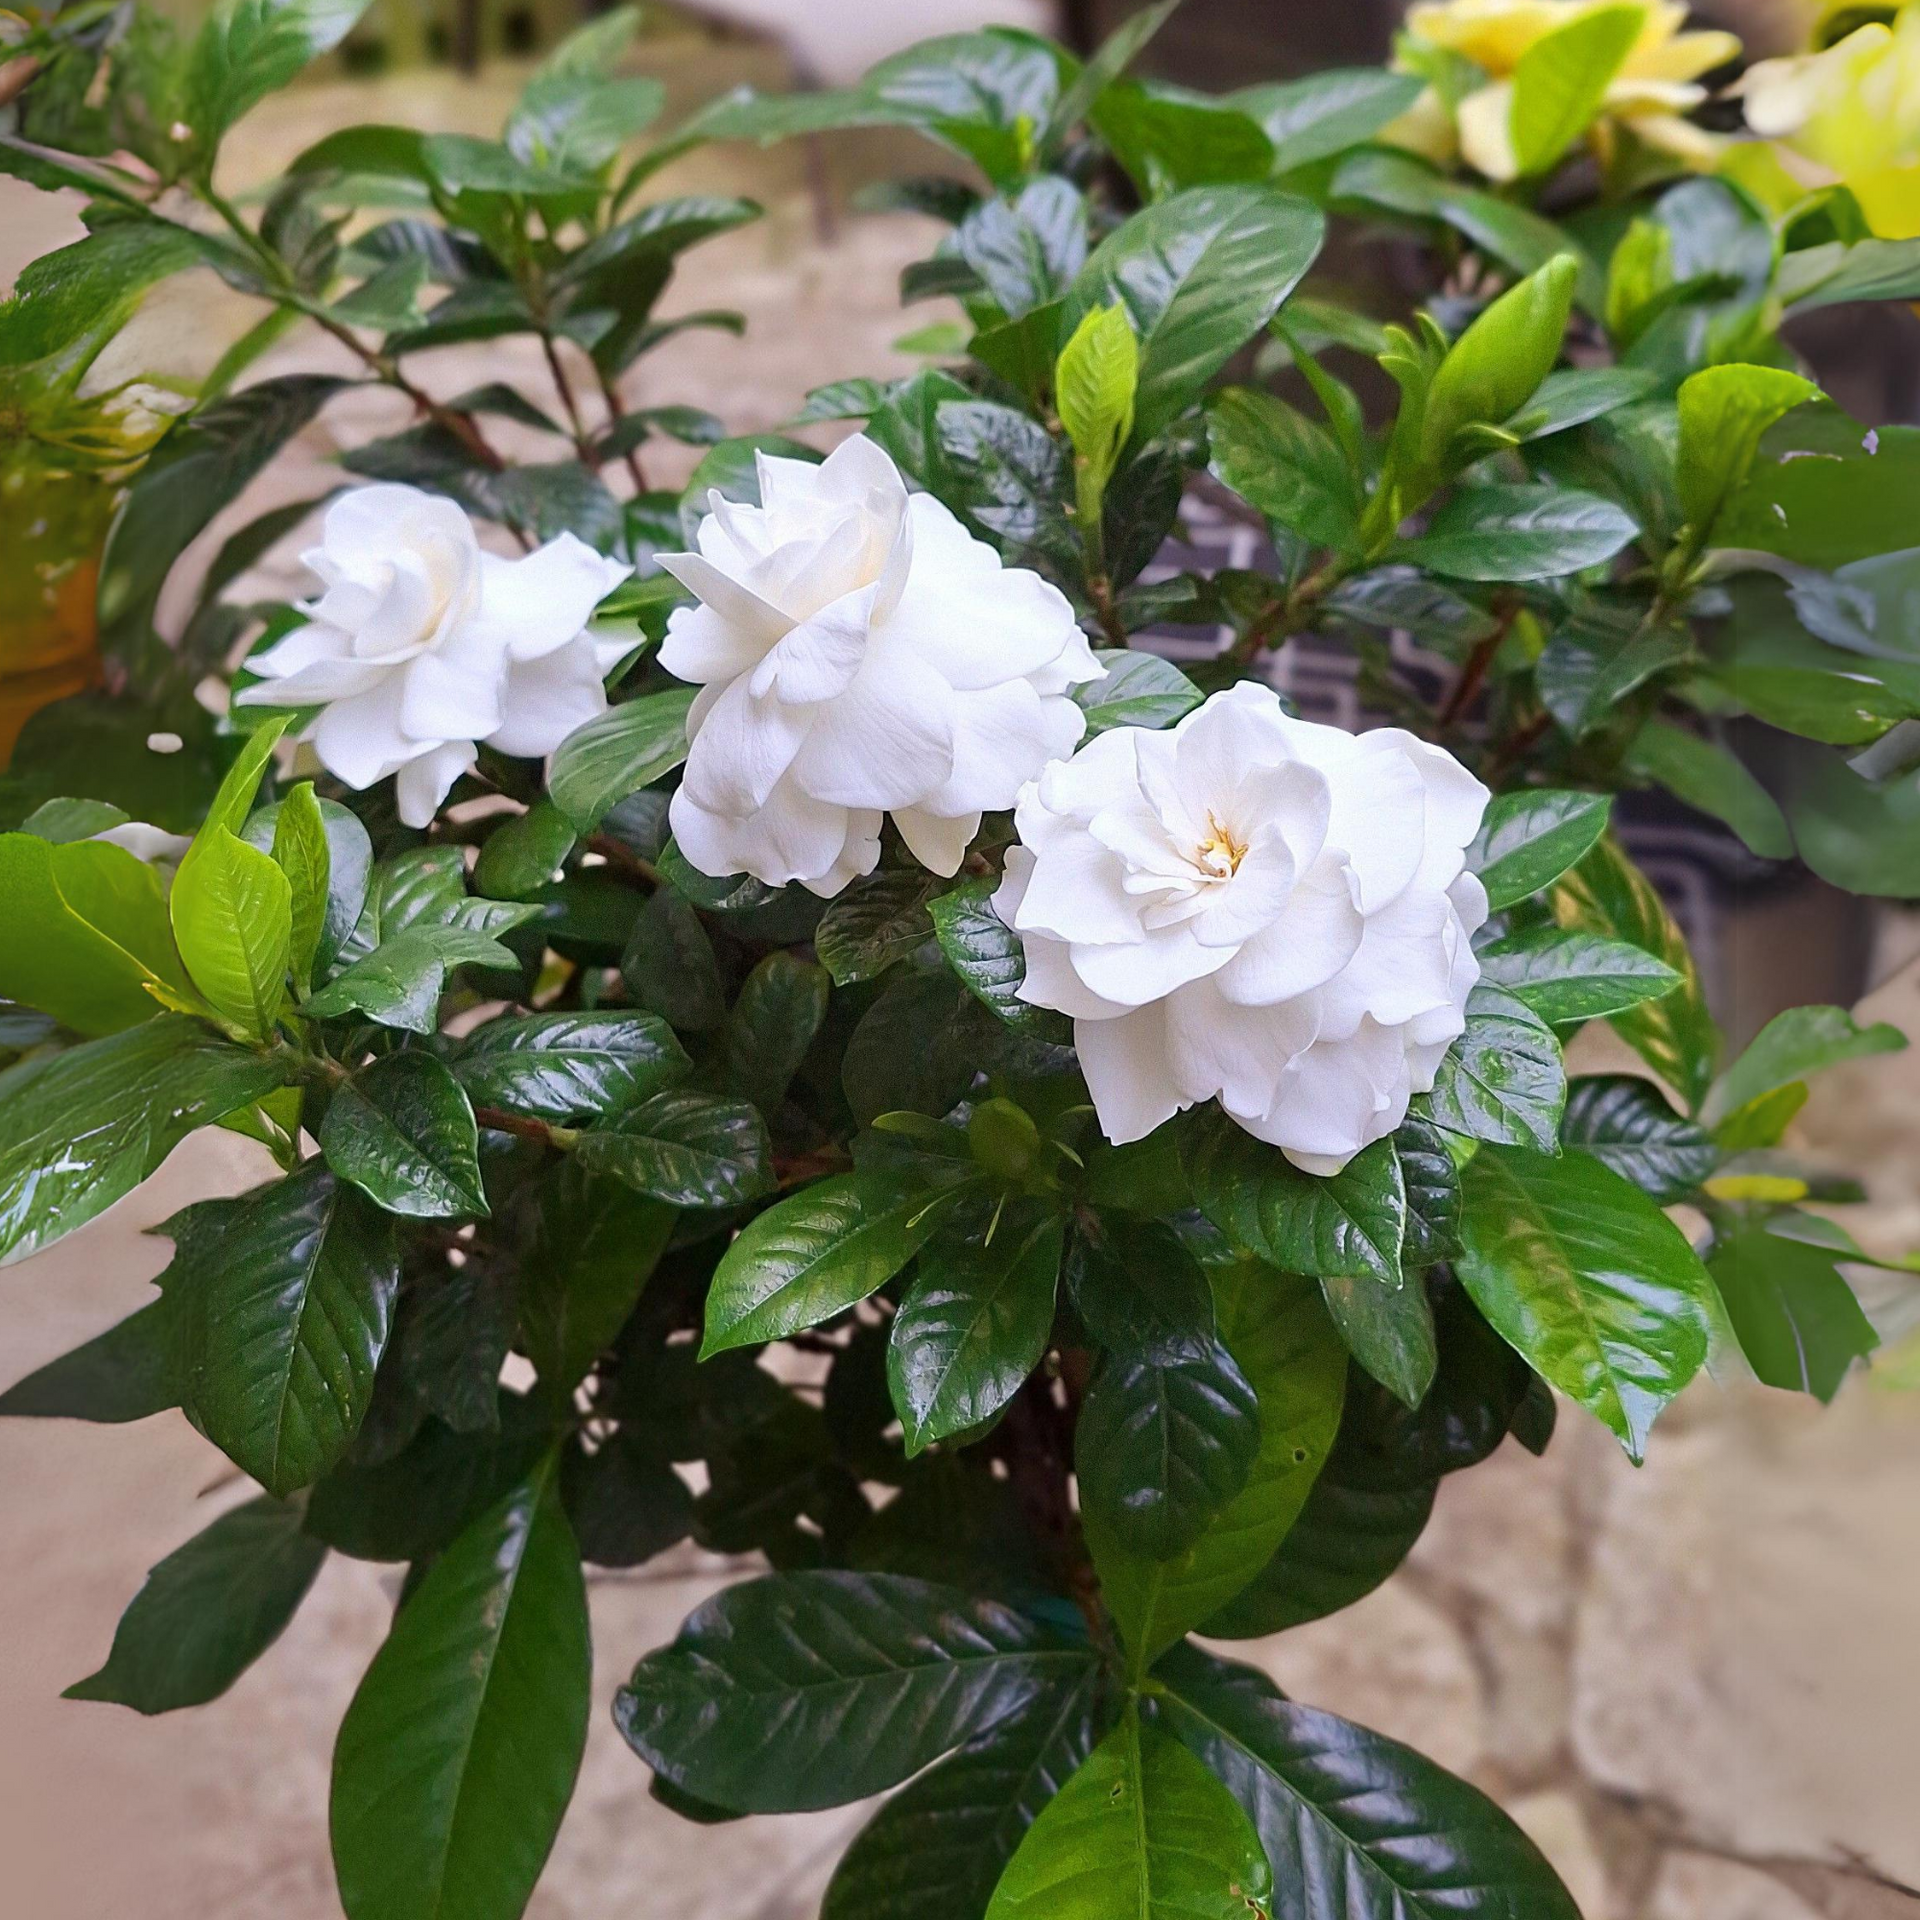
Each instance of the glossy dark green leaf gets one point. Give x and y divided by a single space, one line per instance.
126 1373
1432 1181
523 854
1826 490
774 1020
688 1148
937 1849
79 1129
986 955
1140 690
669 965
1144 1831
1136 1285
1168 138
1566 977
593 1246
1504 1079
1201 273
973 1326
569 1066
403 1132
1027 250
458 1755
1797 1320
876 922
1626 1124
814 1689
626 748
1676 1036
1351 1222
1284 465
208 1611
1531 837
400 982
1324 114
1793 1045
817 1253
451 1336
1585 1276
1504 532
288 1298
1354 1823
1288 1351
1389 1330
246 51
1002 471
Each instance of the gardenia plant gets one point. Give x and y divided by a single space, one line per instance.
1038 1154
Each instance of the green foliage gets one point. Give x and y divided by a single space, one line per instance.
569 1131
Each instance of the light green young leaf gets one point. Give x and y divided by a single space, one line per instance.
232 910
1723 412
1794 1044
1093 384
1561 80
301 852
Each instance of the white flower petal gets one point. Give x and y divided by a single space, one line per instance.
742 748
425 781
938 841
438 701
532 605
1128 1072
548 698
887 741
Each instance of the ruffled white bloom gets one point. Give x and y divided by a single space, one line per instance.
859 653
420 646
1256 908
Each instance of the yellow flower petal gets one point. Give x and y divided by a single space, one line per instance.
1486 136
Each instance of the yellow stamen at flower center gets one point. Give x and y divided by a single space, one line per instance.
1220 853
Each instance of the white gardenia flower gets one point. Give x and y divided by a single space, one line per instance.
859 653
420 645
1252 907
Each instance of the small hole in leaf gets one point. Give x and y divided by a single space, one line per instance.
1299 1456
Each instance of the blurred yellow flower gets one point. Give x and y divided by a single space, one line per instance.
1850 115
1652 91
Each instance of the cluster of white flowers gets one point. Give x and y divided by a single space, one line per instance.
422 647
1246 907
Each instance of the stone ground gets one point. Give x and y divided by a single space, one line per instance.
1697 1685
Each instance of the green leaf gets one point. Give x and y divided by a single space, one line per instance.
1724 411
400 982
1201 273
1290 1354
203 464
1166 1438
669 965
1797 1320
1708 776
625 1501
1285 466
1142 1832
779 1010
1833 273
1575 395
973 1326
301 851
403 1132
248 49
1509 532
1579 1271
1389 1330
1600 657
1432 1181
525 853
1561 79
84 933
808 1690
817 1253
123 1374
1353 1823
79 1129
1140 690
1351 1222
687 1148
619 752
569 1066
987 956
1626 1124
1168 137
288 1298
1826 491
1565 977
1607 894
594 1245
346 873
232 920
876 922
458 1755
1025 252
1504 1079
208 1611
936 1850
1326 113
1792 1045
1093 386
1532 836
